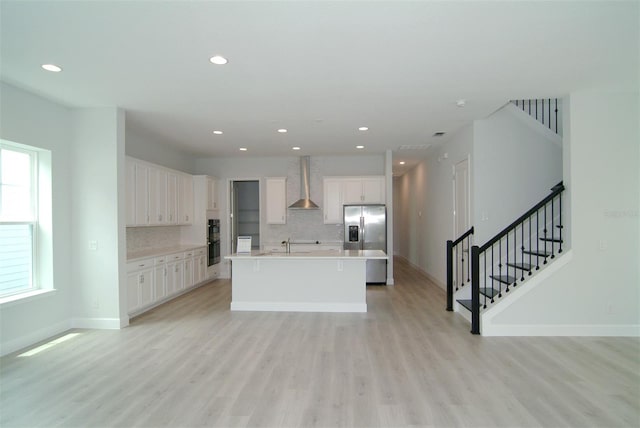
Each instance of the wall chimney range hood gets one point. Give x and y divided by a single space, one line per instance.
305 202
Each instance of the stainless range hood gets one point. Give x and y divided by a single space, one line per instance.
304 203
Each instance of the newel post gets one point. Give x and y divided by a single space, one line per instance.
450 275
475 289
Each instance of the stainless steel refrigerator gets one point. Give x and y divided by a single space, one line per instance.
365 228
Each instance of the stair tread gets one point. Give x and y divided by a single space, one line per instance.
489 292
505 279
466 303
551 239
540 253
523 266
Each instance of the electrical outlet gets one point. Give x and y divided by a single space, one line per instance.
610 309
602 245
93 245
95 303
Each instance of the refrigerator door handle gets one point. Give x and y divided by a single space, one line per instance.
362 233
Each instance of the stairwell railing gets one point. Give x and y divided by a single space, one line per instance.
515 252
457 252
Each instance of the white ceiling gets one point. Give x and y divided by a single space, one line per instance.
319 69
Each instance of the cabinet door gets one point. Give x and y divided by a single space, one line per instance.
172 198
185 199
142 194
145 284
352 191
188 273
198 269
178 268
157 196
276 200
131 192
160 282
373 190
212 194
133 295
332 201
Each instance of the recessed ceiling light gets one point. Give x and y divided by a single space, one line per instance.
295 148
461 103
52 67
282 130
363 128
401 162
243 149
218 60
217 132
359 147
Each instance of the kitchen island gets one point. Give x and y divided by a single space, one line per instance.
316 281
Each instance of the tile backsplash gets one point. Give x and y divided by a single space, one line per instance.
145 238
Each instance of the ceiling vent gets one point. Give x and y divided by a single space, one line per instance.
414 147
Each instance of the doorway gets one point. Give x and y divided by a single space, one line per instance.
245 212
461 216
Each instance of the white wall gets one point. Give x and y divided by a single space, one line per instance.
154 149
597 291
97 169
425 197
28 119
515 165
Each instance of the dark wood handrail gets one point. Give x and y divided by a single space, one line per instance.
555 191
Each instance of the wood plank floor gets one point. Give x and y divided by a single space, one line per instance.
407 362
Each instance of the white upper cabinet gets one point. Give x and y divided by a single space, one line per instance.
340 191
131 192
276 200
363 190
185 199
142 194
332 204
172 197
373 190
157 196
212 193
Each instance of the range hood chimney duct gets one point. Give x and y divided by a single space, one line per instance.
305 202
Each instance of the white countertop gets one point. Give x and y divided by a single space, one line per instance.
326 254
155 252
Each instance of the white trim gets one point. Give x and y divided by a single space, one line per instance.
34 337
298 307
96 323
618 330
27 296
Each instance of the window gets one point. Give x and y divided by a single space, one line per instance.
18 219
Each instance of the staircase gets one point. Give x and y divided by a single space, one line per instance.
506 260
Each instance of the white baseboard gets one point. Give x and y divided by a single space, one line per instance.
298 307
34 337
97 323
563 330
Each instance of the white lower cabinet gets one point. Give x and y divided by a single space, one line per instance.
139 284
153 280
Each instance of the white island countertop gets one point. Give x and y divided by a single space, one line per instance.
314 255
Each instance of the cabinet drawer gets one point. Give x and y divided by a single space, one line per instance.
188 254
139 265
160 260
174 257
201 251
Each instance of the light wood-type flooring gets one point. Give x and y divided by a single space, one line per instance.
407 362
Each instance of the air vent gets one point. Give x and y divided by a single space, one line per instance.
438 134
414 147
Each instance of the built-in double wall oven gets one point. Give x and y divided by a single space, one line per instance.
213 242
